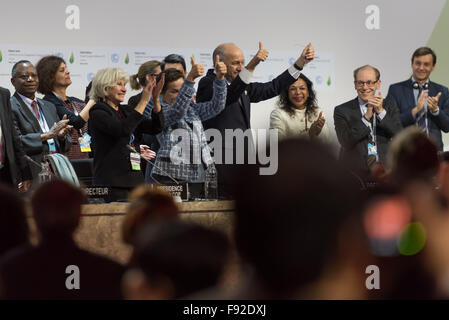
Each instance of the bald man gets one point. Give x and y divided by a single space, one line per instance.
241 92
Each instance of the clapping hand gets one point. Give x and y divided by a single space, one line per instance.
377 103
432 102
317 126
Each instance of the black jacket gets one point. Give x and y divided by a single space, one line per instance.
12 148
111 131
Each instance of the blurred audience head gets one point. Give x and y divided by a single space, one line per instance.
146 204
287 225
412 155
151 68
13 223
174 61
174 259
56 209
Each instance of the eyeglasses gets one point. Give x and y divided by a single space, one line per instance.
369 83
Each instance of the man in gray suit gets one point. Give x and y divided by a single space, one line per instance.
365 125
40 129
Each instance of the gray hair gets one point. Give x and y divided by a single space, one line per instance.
220 51
107 77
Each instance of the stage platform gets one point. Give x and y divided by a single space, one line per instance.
100 229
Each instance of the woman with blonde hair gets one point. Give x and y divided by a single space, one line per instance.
116 130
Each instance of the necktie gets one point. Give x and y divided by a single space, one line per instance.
421 119
35 109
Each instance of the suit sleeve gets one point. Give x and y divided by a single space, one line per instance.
22 169
348 134
262 91
391 122
405 112
276 122
206 89
151 125
74 120
442 119
31 142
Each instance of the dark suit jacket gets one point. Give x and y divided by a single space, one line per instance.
74 120
12 148
30 130
353 134
237 113
110 135
39 273
402 94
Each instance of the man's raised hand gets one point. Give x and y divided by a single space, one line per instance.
196 71
261 55
307 55
220 68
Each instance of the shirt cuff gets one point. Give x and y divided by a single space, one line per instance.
382 115
294 72
436 112
366 122
245 75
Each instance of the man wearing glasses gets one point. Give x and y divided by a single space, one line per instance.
422 102
366 124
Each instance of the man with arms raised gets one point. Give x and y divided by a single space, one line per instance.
241 92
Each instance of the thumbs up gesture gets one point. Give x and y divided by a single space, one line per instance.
307 55
196 71
261 55
220 68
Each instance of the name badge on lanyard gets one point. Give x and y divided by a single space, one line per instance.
134 157
84 142
44 127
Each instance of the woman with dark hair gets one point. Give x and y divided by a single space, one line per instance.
298 113
54 78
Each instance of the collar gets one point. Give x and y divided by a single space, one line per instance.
413 80
27 100
361 102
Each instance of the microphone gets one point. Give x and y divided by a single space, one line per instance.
45 170
165 173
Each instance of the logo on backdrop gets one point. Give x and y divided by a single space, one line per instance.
115 58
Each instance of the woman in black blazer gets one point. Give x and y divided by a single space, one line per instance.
54 79
115 127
